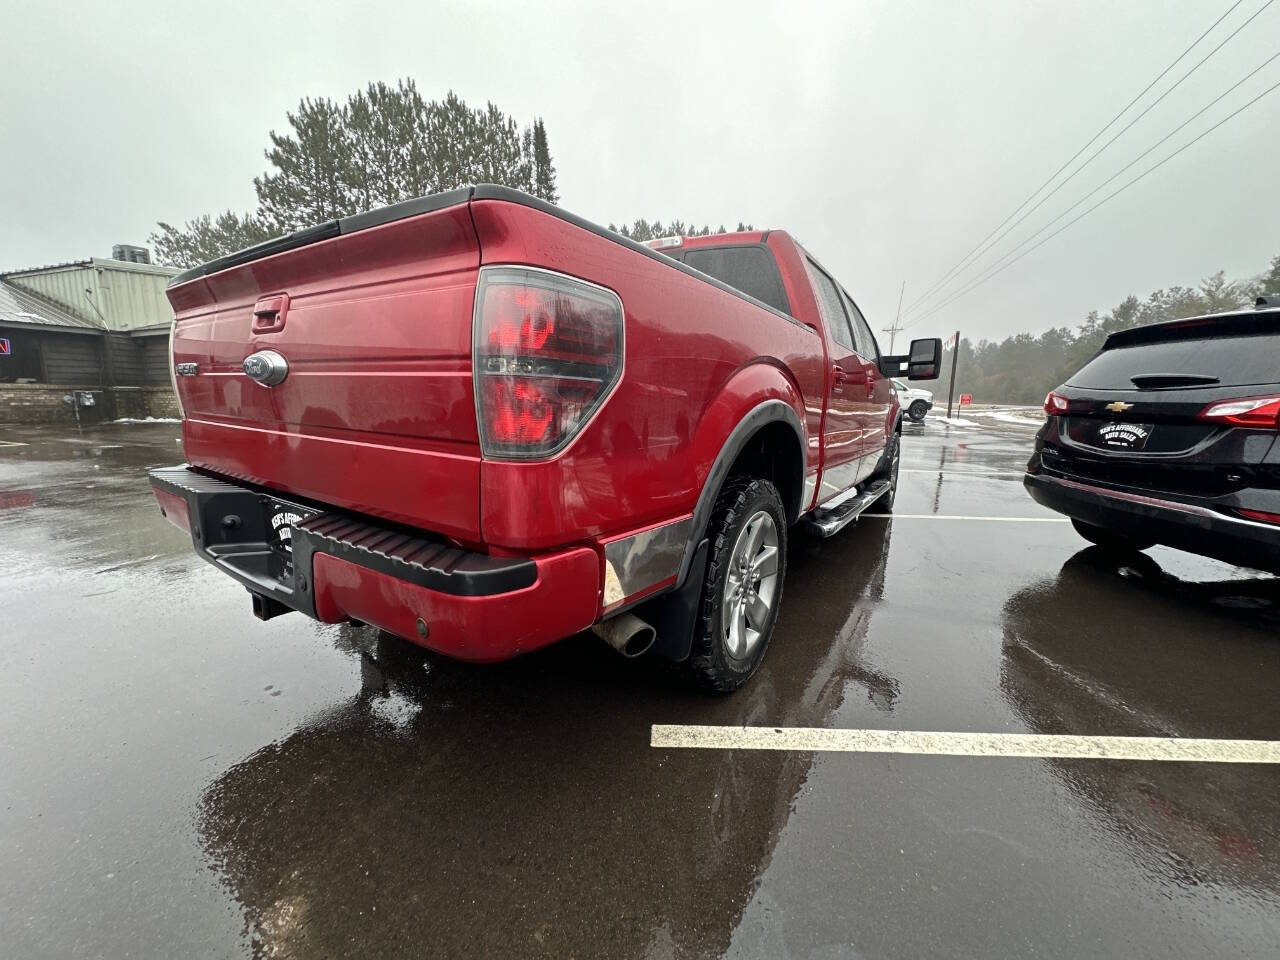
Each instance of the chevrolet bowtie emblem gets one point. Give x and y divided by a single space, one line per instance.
1118 407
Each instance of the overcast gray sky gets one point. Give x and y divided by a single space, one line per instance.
888 136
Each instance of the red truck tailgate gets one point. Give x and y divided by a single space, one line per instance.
376 413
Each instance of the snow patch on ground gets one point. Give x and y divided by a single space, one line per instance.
1023 420
147 420
955 421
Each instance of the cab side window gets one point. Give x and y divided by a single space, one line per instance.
862 335
833 314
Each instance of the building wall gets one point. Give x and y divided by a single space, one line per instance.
124 358
72 358
133 294
162 403
155 359
128 376
45 403
49 356
23 360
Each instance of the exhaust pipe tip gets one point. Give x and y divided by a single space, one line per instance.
627 634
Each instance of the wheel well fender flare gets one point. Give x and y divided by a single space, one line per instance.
760 416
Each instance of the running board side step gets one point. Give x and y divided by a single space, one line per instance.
827 522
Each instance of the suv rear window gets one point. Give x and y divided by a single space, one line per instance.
750 269
1233 361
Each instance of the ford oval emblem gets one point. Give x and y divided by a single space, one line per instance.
267 367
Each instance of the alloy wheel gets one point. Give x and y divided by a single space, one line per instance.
751 586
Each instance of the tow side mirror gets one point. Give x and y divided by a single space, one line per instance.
925 360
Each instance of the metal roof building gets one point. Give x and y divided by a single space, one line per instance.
108 294
95 324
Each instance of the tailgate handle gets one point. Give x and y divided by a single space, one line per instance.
269 313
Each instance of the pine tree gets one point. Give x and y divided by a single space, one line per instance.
544 171
1269 282
206 238
383 145
312 182
642 230
1218 294
391 150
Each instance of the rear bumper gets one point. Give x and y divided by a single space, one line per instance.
469 605
1184 525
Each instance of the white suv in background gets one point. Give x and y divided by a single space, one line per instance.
915 403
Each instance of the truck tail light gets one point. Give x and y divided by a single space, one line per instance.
1262 413
547 351
1055 403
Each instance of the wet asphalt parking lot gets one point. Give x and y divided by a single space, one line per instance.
179 779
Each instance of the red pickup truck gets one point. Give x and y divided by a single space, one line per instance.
483 424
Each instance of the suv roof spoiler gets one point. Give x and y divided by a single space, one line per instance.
1263 318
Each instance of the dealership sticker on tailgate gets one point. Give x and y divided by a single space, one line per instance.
1124 436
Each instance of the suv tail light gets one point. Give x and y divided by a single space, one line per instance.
1055 403
1259 515
547 351
1262 413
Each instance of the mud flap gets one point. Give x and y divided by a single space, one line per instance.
674 615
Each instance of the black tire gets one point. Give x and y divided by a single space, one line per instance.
917 410
1109 539
710 663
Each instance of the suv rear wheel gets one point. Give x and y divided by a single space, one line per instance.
1109 539
743 587
917 410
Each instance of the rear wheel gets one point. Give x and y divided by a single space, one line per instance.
917 410
743 587
1109 539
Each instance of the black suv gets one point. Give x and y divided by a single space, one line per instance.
1168 435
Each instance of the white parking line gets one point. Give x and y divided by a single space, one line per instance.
965 744
948 472
12 443
952 516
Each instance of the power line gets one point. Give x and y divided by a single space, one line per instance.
1152 105
1120 133
1216 100
991 273
1160 76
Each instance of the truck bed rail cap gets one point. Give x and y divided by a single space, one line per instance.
327 230
491 191
449 198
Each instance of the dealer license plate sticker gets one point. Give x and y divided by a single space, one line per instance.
281 519
1123 436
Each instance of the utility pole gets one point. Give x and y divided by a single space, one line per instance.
951 387
893 330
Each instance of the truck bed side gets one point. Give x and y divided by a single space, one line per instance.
698 357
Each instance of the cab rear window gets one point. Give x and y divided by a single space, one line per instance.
749 268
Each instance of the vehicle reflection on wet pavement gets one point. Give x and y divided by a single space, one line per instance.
181 779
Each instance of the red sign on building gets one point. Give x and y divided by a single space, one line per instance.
4 348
